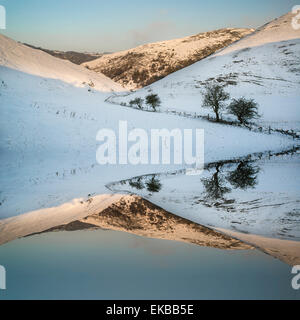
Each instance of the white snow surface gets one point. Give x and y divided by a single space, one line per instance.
20 57
48 127
48 149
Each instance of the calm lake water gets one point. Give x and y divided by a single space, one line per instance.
259 194
102 264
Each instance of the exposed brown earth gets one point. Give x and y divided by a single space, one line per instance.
141 66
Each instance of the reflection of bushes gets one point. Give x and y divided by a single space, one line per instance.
153 185
244 176
215 186
137 184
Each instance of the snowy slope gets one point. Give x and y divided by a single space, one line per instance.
20 57
263 66
48 128
146 64
48 142
48 133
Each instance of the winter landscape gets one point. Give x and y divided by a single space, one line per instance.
152 230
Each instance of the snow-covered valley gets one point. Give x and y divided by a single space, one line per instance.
51 111
49 130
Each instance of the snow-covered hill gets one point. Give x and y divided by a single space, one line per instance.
48 133
148 63
20 57
48 127
264 66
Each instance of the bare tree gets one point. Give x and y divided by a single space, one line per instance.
214 98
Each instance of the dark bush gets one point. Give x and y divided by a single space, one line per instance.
153 100
138 102
243 109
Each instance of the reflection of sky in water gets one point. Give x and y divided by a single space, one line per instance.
115 265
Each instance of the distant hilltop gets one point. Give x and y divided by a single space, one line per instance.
73 56
141 66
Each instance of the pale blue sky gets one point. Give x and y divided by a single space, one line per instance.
112 25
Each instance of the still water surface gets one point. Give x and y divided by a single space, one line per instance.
102 264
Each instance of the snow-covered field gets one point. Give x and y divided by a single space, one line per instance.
48 150
50 116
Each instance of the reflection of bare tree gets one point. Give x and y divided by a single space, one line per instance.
215 186
153 185
244 176
137 183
